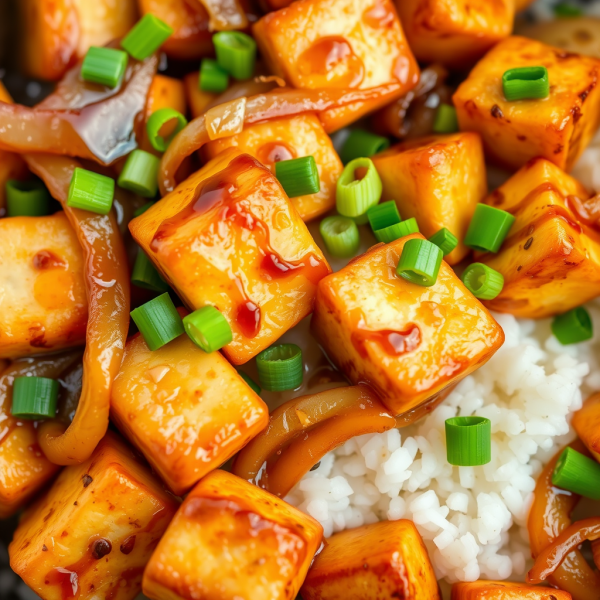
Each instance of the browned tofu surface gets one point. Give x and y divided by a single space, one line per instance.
505 590
586 422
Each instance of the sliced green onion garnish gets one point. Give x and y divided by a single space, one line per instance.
236 53
525 83
105 66
573 327
482 281
420 262
383 215
362 144
91 191
34 398
280 367
157 121
158 321
564 9
468 441
354 197
142 209
396 231
298 176
26 198
212 78
146 276
488 228
445 120
577 473
251 383
444 240
140 174
340 235
146 37
208 328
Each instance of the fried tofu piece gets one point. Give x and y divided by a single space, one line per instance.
231 540
92 534
439 180
557 128
380 561
505 590
187 411
197 100
408 342
283 139
550 260
455 33
43 305
339 44
586 422
229 237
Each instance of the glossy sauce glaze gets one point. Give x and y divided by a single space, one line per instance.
394 343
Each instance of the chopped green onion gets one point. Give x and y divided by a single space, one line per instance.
140 174
362 144
157 121
383 215
158 321
444 240
577 473
251 383
27 198
236 53
142 209
280 367
420 262
566 10
468 441
298 176
91 191
146 276
573 327
208 328
212 77
482 281
396 231
525 83
34 398
354 197
445 120
340 235
105 66
146 37
488 228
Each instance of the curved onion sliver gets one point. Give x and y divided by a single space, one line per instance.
225 15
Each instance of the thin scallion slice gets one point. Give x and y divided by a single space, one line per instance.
444 240
91 191
212 77
298 176
159 119
280 367
420 262
488 228
105 66
358 188
158 321
362 144
577 473
396 231
208 328
383 215
140 174
445 120
34 398
340 235
482 281
146 276
146 37
468 441
526 83
573 326
27 198
236 53
251 383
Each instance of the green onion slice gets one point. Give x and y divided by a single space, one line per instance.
212 77
567 10
158 321
396 231
146 276
280 367
105 66
146 37
445 120
419 262
91 191
573 326
383 215
340 235
298 176
362 144
488 228
140 174
468 441
355 196
526 83
577 473
250 382
157 121
236 53
27 198
34 398
482 281
208 328
444 240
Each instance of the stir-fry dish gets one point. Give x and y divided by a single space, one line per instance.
298 299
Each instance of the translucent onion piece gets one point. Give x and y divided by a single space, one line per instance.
226 119
225 15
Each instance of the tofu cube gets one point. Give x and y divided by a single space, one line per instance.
550 260
229 237
283 139
558 127
406 341
379 561
586 422
349 44
505 590
187 411
232 540
455 33
92 534
43 305
439 180
197 100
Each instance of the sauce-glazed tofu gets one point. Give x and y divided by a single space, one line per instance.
505 590
92 534
231 540
43 306
354 44
558 127
186 410
406 341
438 180
550 260
229 237
586 422
283 139
381 561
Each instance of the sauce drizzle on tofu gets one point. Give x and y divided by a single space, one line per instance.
393 342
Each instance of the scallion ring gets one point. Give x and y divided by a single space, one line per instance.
34 398
208 328
158 321
159 119
91 191
526 83
482 281
280 367
383 215
298 176
573 326
468 441
396 231
358 188
362 144
26 198
444 240
577 473
146 37
140 174
340 235
419 262
488 228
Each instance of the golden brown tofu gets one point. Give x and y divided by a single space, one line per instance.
557 128
455 33
550 260
231 540
186 410
229 237
505 590
339 44
197 100
92 534
438 180
283 139
586 422
408 342
43 305
381 561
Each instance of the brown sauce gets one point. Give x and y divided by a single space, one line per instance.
394 343
46 259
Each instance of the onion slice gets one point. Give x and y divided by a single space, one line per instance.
225 15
